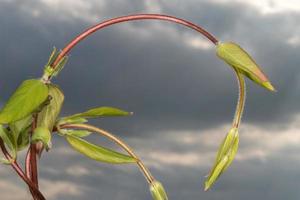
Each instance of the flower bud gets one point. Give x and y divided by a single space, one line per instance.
225 156
239 59
158 192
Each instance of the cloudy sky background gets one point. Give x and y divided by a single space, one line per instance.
183 97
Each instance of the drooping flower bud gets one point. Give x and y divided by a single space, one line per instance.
157 190
225 156
239 59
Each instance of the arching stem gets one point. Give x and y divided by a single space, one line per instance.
116 140
241 99
117 20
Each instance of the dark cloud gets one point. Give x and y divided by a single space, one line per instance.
148 68
158 77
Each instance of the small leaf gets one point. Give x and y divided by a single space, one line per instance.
75 120
42 134
101 112
77 133
5 161
239 59
225 156
98 153
158 192
26 99
48 116
4 135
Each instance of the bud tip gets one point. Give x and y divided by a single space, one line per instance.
206 187
269 86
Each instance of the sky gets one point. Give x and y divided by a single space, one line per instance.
183 97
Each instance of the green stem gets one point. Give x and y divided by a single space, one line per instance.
241 99
118 141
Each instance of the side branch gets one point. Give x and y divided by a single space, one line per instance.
116 140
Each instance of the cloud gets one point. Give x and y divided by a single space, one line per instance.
185 85
269 7
180 159
183 97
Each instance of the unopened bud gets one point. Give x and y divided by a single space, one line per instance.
158 192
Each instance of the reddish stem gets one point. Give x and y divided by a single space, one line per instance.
27 164
31 161
33 155
34 191
33 165
117 20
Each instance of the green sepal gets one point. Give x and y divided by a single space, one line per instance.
42 134
51 71
157 191
225 156
239 59
25 100
98 153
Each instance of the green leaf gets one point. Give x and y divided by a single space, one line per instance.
158 192
98 153
23 139
239 59
20 132
77 133
4 135
100 112
48 116
26 99
75 120
42 134
225 156
5 161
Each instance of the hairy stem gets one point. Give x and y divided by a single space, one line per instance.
36 194
118 141
241 99
117 20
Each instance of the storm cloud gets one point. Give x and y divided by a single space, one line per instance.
183 97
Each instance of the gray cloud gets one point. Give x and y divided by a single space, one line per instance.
157 76
151 69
